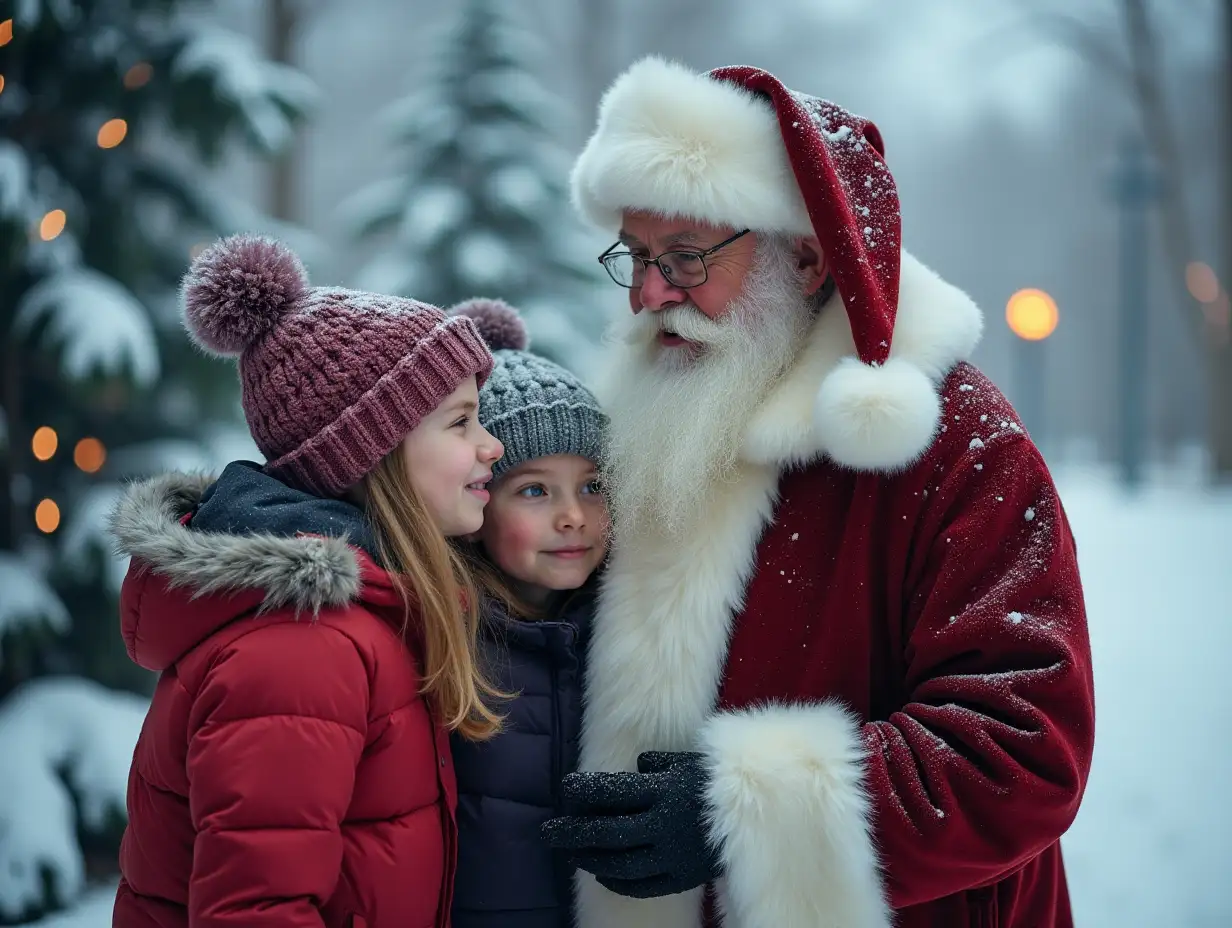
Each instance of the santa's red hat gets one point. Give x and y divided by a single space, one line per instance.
735 147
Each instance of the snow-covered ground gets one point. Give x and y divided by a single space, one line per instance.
94 911
1153 842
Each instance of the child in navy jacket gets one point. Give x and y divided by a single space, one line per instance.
544 536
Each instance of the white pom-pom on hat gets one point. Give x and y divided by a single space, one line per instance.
238 289
876 417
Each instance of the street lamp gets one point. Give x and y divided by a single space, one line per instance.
1031 315
1137 186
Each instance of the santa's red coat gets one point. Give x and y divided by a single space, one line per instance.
888 673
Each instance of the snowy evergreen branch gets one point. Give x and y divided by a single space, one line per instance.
28 600
68 743
480 205
98 323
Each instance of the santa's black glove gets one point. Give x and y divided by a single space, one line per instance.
641 834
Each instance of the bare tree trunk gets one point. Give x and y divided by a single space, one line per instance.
1218 342
13 455
282 25
596 35
1157 129
1145 73
1219 430
1142 74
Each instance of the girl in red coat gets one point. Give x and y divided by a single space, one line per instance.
313 628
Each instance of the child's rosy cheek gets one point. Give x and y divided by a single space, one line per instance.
521 534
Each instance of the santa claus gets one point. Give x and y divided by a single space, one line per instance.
840 673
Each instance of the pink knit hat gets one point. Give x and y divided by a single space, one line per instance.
332 379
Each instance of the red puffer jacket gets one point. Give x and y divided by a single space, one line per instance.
288 773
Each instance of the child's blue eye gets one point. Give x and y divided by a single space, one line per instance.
592 487
463 422
532 491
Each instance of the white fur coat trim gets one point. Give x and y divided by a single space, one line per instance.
660 642
789 810
865 418
656 655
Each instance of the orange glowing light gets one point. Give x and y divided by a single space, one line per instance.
52 224
138 75
1201 281
6 32
1032 314
111 133
44 443
47 516
89 455
1 83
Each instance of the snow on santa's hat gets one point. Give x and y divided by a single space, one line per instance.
735 147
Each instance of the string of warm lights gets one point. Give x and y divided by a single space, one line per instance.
110 134
89 455
47 516
6 36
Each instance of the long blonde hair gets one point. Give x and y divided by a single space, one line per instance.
434 582
493 583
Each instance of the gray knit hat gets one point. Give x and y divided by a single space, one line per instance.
536 408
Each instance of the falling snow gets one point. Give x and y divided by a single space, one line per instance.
876 199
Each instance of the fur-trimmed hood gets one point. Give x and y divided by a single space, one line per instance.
253 545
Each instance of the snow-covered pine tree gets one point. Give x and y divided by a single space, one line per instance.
480 206
110 115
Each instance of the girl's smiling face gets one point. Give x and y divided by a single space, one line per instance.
546 525
449 458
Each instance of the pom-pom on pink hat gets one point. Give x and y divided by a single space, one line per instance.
332 379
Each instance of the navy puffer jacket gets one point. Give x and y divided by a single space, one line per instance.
507 875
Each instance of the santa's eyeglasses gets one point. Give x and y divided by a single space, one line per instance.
682 269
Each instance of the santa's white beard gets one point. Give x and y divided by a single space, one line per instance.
677 423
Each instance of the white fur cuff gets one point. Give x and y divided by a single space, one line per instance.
789 809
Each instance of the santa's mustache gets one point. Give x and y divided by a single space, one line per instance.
687 321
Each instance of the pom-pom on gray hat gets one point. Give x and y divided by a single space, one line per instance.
535 407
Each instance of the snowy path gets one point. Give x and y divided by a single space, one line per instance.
1153 842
